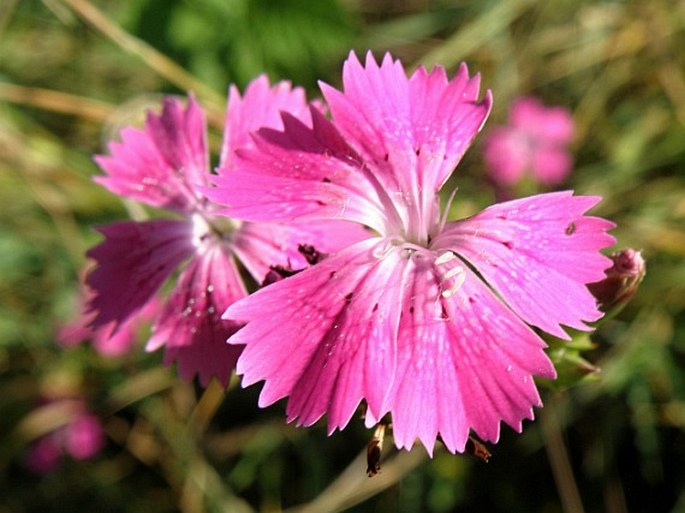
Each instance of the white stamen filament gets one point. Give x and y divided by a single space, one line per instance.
458 282
443 219
453 272
447 256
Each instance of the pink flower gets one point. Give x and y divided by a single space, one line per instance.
84 437
166 165
426 320
109 340
535 140
44 456
81 438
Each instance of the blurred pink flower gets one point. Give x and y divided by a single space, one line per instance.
535 141
108 340
427 320
166 165
81 438
44 456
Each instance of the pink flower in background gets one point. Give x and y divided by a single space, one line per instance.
81 438
535 141
166 165
427 320
109 340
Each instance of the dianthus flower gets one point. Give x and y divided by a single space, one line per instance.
534 141
426 320
81 438
166 165
112 339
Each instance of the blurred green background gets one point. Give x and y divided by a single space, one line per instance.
73 71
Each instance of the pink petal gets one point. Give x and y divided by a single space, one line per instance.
551 164
84 437
464 362
546 124
107 340
132 264
44 455
299 174
190 325
324 337
260 106
537 253
259 246
507 155
164 164
423 123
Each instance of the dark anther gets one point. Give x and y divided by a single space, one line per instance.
326 180
443 314
570 229
374 450
311 255
278 273
477 449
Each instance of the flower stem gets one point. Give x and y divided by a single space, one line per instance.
559 459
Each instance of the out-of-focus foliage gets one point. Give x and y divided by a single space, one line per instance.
67 82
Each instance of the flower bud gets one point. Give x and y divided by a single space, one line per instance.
621 282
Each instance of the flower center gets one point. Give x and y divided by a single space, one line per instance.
447 266
208 228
